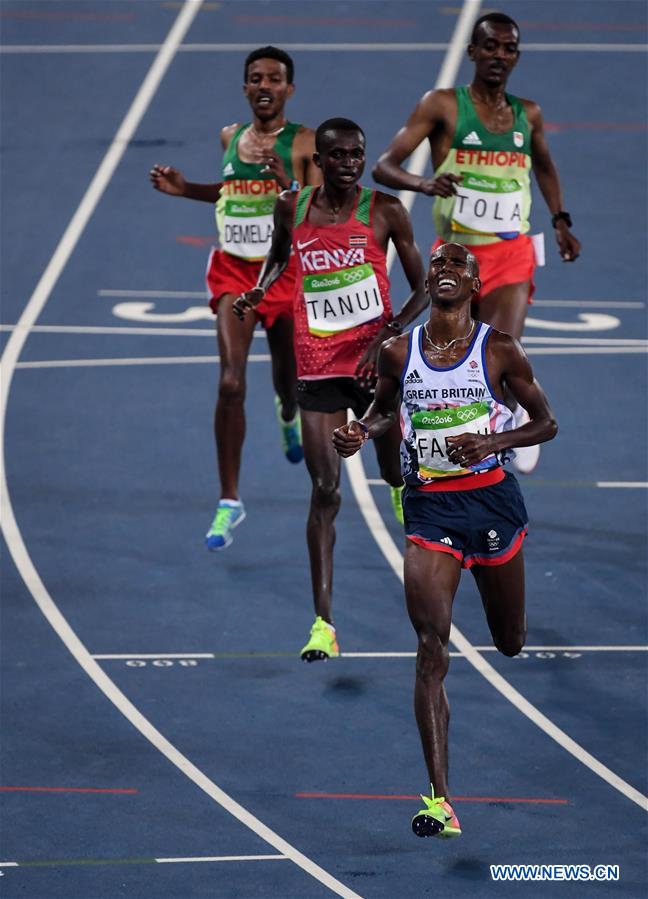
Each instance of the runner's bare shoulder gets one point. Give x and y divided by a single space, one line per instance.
227 133
389 206
502 346
533 111
439 105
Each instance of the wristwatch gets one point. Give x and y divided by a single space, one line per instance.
395 326
562 215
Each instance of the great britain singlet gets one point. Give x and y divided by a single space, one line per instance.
493 201
244 210
342 297
438 403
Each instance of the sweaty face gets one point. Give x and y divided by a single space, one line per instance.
452 273
342 158
267 88
495 52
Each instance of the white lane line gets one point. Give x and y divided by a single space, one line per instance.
623 484
262 357
593 304
381 535
403 47
12 533
146 360
127 330
588 341
159 861
223 858
126 656
158 330
154 655
585 350
161 294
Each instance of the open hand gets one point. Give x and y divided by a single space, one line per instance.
167 180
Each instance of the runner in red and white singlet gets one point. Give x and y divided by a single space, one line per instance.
339 235
342 298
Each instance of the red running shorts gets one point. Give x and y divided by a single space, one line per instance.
229 274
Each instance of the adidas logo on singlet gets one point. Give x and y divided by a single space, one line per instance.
228 170
414 378
472 139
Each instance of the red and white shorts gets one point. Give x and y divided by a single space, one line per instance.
503 262
229 274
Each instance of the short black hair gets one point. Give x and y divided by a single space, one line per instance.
338 124
498 18
270 53
471 259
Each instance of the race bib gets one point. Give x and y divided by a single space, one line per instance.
247 226
432 428
488 205
339 300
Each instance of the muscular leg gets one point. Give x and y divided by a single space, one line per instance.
234 338
284 367
431 581
505 309
501 588
323 465
388 455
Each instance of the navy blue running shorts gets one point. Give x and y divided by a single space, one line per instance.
333 394
484 526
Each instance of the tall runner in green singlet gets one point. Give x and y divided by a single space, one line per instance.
484 143
261 158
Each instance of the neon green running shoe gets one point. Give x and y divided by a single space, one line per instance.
397 503
322 644
437 819
291 436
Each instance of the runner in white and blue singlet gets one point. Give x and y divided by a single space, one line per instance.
462 510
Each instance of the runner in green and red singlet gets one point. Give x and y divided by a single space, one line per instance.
484 143
262 158
339 234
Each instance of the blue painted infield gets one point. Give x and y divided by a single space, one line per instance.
112 477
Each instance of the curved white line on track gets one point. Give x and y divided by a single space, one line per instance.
381 535
8 521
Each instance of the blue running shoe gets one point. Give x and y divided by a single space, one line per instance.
229 514
291 437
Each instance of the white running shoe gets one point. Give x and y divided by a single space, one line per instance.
526 457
